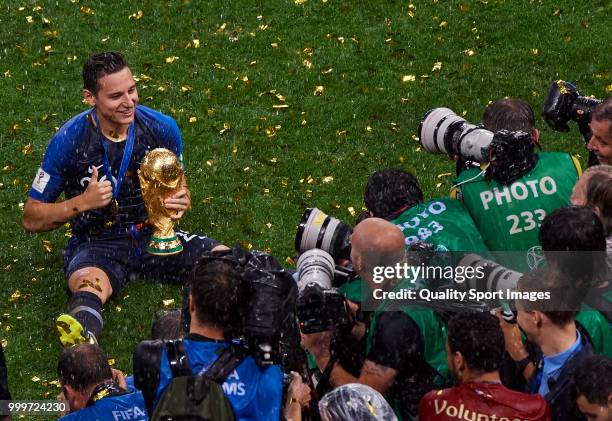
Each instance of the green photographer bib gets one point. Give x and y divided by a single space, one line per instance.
442 222
509 217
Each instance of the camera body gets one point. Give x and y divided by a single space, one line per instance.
267 303
564 103
320 306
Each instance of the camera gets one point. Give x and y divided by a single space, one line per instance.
321 231
564 103
441 131
319 306
493 276
267 301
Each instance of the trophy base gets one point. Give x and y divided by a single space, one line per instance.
164 246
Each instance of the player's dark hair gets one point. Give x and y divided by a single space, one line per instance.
390 190
478 337
510 114
99 65
215 288
83 366
593 379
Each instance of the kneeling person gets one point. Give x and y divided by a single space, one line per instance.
254 392
93 391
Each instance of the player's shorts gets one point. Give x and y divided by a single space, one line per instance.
123 257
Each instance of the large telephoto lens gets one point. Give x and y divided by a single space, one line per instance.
443 132
319 230
496 277
315 266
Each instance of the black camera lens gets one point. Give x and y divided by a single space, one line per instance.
319 230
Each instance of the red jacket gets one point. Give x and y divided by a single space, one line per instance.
480 401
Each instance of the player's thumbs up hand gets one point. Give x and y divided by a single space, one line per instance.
98 194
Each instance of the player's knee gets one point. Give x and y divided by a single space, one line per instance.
91 280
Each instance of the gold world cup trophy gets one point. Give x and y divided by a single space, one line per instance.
160 177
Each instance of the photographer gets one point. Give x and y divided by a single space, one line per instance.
550 324
574 243
593 381
404 344
601 133
395 195
519 187
93 390
254 392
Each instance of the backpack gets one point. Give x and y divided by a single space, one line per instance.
197 397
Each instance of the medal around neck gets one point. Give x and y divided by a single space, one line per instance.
160 177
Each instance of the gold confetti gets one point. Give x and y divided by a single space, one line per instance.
269 225
229 88
469 52
609 89
88 11
51 34
327 179
171 59
253 63
535 51
351 210
443 24
193 119
37 8
47 246
557 13
226 127
394 127
411 10
341 133
368 129
307 64
29 19
111 361
210 112
48 49
402 159
446 174
4 343
341 40
438 185
270 131
437 66
185 89
27 149
327 71
35 379
274 45
218 66
280 106
168 302
210 162
289 260
244 78
196 43
265 192
8 74
319 90
118 309
299 2
136 16
535 93
408 78
274 161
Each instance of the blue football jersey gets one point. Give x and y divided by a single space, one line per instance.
78 145
253 392
130 406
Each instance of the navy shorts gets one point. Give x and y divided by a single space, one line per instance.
123 257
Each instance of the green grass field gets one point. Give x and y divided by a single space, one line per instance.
283 104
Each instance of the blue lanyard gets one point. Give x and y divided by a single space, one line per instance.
125 161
